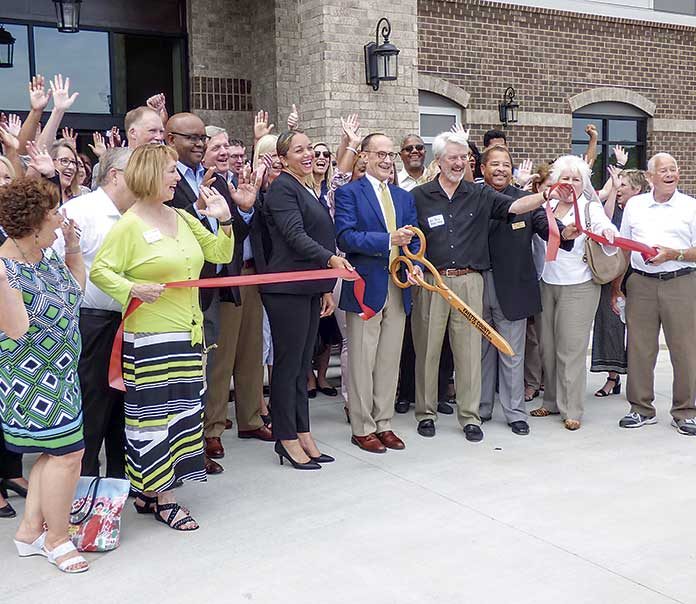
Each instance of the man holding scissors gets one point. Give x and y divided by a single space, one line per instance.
454 215
372 219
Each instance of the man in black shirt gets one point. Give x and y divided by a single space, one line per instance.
454 215
510 292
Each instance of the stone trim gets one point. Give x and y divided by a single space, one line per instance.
444 88
612 94
664 125
525 118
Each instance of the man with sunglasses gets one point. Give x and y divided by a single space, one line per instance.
372 220
186 134
413 157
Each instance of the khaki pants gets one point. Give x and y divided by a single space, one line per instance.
566 323
651 303
374 351
428 323
239 353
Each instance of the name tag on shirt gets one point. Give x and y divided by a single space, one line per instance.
436 221
152 236
518 225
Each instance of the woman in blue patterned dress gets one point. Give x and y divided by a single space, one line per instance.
40 404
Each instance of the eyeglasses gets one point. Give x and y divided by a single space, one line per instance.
65 162
383 154
193 138
410 148
326 154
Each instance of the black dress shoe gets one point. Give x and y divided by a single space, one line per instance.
312 393
521 427
473 433
329 391
426 427
402 406
444 408
7 512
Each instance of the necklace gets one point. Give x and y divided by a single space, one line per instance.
54 282
23 254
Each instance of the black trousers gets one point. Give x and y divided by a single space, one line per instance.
10 462
294 321
102 406
407 370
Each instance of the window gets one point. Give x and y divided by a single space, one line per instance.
13 82
437 114
617 124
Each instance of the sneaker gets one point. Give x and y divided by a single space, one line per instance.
685 426
636 420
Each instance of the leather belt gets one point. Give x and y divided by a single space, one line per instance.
666 276
98 312
456 272
249 263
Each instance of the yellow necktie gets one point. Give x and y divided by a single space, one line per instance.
385 200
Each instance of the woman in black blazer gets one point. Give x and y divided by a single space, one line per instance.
303 238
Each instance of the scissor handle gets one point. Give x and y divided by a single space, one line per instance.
420 257
394 270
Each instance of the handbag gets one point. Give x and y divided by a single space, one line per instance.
604 268
95 516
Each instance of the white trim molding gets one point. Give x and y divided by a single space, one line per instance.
611 94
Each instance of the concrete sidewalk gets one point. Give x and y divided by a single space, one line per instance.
602 515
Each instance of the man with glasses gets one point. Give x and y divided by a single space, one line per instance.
660 292
372 220
186 133
413 158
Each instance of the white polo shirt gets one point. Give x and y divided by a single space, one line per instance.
669 224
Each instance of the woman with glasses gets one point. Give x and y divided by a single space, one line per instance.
65 161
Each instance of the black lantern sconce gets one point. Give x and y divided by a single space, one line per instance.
68 15
508 107
7 43
381 60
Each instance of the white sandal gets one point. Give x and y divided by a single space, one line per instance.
65 565
31 549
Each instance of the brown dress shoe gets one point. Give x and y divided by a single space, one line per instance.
390 440
262 433
368 443
213 467
228 424
214 448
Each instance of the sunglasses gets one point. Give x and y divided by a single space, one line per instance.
325 154
410 148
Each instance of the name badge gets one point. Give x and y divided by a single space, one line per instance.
436 221
518 225
152 236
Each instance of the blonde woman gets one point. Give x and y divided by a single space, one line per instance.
163 341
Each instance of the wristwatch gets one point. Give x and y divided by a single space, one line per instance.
681 256
227 222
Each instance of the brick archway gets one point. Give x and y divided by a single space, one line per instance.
617 95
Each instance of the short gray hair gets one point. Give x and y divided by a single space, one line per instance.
574 165
445 138
653 160
212 131
113 159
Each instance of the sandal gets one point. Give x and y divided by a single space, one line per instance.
67 566
530 397
542 412
31 549
149 504
174 509
616 389
571 424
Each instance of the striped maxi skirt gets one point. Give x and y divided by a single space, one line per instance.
163 374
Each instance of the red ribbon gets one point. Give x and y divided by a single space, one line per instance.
555 237
115 362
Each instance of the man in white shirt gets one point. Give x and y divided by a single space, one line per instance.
661 293
413 157
100 315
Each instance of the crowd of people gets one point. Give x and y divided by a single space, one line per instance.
178 200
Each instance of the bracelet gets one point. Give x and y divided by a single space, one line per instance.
73 250
620 166
545 194
227 222
351 149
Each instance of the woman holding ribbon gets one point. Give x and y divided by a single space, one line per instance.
154 244
569 299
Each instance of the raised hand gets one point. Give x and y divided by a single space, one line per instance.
614 175
563 192
591 131
99 147
458 128
351 129
38 95
158 102
621 155
114 138
62 100
244 196
524 172
14 124
40 160
293 118
71 232
8 140
215 204
70 136
261 126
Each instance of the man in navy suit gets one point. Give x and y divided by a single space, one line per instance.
372 220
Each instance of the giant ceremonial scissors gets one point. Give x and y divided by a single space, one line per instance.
453 299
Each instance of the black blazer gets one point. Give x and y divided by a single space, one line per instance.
185 198
301 233
510 248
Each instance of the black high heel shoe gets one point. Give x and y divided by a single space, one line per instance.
323 458
282 453
11 485
7 511
601 393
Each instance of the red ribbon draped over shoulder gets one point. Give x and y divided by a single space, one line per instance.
115 363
